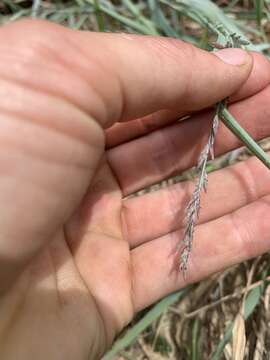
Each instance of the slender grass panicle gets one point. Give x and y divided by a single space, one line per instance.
225 40
194 205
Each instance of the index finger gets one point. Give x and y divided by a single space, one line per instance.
155 73
125 131
116 77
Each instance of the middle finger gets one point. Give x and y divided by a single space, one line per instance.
157 213
165 152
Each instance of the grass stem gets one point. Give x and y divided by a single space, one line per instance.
230 122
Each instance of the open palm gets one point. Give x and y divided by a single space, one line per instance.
79 257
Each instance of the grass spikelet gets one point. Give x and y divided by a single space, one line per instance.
194 205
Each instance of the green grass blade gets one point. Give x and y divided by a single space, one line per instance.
195 340
81 21
251 144
251 302
142 324
99 16
159 18
204 41
207 14
258 4
14 7
135 25
134 9
20 14
35 8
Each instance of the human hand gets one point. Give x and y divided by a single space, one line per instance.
77 261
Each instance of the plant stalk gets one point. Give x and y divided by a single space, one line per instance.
231 123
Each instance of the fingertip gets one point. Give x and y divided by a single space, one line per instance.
258 79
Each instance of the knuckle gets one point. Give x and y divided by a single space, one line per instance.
29 44
33 67
240 233
252 186
173 49
29 60
41 41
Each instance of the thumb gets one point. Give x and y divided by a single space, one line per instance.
155 73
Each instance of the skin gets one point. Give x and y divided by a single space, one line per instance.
85 120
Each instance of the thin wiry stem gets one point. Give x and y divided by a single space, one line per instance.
194 205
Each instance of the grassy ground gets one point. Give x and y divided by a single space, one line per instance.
201 322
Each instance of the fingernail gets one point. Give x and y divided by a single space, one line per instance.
232 56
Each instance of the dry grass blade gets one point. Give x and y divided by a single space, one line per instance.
239 338
251 302
239 329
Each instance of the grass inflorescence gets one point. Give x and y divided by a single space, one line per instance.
230 40
194 205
